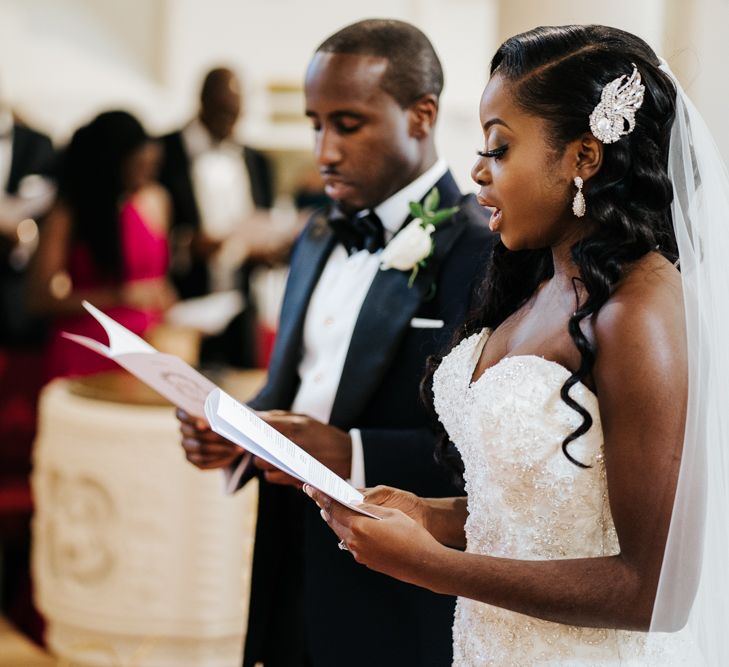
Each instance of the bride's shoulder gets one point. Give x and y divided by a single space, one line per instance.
650 283
645 311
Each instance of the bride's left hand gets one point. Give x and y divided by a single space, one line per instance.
396 545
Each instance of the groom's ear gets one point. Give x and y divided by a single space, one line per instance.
423 114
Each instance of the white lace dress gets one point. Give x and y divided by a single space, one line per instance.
527 501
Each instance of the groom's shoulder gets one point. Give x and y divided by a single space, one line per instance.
317 221
316 226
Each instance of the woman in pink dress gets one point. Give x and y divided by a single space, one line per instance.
104 241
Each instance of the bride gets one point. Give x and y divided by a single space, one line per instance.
582 397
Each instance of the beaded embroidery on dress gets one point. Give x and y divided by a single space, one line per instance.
527 501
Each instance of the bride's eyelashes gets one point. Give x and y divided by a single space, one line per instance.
496 153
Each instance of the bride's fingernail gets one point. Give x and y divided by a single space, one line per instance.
325 515
308 491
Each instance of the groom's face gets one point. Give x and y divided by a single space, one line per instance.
364 141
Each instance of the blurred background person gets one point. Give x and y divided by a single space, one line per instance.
105 240
26 193
223 235
215 184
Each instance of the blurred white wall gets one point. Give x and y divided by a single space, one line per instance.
274 39
642 17
61 61
697 47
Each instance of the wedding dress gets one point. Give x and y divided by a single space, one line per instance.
527 501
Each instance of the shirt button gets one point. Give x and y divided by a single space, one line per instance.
328 321
318 378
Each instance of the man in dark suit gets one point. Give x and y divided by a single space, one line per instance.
216 186
26 163
351 350
26 193
207 141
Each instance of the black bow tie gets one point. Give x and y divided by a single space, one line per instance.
357 232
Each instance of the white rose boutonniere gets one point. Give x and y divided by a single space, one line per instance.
412 246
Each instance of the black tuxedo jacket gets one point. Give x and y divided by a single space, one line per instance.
32 154
312 604
176 177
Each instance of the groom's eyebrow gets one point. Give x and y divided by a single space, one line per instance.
494 121
337 114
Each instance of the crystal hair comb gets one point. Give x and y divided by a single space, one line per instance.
618 104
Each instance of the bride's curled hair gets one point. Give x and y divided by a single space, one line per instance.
558 74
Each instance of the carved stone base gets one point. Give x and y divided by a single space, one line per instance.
139 559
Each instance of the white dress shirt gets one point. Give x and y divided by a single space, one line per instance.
332 314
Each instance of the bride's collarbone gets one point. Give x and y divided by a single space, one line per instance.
520 339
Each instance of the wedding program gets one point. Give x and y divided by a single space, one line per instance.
188 389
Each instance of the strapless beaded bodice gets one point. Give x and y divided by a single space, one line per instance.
528 501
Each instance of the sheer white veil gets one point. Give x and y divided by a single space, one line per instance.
693 590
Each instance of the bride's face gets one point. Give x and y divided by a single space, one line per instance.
521 175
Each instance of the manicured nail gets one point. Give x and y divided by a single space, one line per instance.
308 491
325 515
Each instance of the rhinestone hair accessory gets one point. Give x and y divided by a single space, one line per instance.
618 104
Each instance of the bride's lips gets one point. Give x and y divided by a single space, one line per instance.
495 219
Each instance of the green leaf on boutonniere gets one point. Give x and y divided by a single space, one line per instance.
430 215
432 200
441 216
416 210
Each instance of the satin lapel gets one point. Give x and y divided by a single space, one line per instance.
385 317
311 255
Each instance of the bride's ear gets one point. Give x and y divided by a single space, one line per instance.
588 155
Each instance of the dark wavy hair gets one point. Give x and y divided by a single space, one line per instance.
90 183
557 74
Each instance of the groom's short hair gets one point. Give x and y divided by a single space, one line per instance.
413 68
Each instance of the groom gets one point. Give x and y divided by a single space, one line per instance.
351 350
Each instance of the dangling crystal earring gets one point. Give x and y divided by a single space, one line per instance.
578 203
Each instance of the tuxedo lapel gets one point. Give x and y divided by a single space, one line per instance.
385 317
311 255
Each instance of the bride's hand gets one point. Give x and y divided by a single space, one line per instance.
397 545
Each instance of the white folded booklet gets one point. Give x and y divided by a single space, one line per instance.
185 387
236 422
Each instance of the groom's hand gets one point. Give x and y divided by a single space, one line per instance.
328 444
275 476
406 502
203 447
